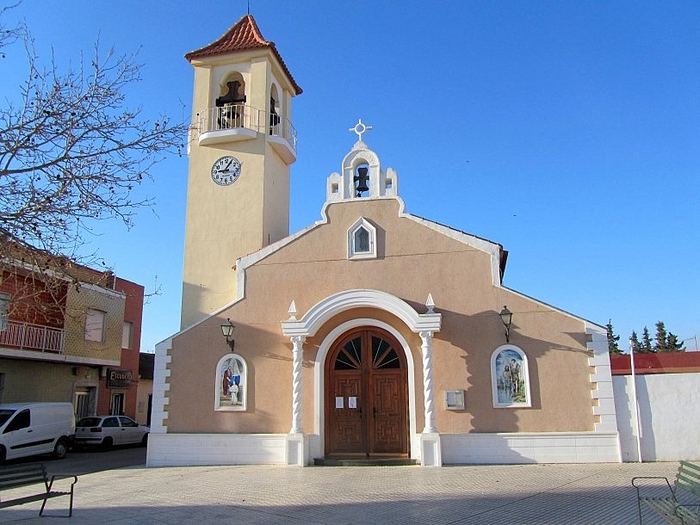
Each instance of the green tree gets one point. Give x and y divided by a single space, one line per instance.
613 347
673 344
646 342
661 338
635 345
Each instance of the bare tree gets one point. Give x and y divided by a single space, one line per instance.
72 151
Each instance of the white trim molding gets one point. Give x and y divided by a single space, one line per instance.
161 385
331 306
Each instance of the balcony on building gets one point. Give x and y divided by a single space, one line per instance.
241 122
31 337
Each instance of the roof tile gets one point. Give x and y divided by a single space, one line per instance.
242 36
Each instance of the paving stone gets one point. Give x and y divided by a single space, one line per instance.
585 494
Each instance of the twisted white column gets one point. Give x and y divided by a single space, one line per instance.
428 389
297 353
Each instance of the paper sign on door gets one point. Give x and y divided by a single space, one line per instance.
352 402
339 402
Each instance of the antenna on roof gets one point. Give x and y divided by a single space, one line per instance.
249 7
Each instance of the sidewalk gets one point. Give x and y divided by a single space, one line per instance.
585 494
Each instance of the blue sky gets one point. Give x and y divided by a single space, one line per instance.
569 132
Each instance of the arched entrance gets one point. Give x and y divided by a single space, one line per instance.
366 395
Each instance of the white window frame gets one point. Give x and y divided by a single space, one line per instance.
498 359
95 321
353 251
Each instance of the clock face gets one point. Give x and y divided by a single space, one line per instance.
226 170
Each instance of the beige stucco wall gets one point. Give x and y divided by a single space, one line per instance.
227 222
413 260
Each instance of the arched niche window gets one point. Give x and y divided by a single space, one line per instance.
231 384
230 103
362 240
275 112
510 380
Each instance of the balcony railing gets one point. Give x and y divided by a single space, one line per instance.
26 336
284 129
230 117
235 117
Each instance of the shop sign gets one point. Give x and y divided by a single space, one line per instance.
118 378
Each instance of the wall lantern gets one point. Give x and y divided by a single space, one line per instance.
507 318
227 331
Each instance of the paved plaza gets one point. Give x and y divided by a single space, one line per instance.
466 495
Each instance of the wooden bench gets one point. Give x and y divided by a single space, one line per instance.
15 476
683 504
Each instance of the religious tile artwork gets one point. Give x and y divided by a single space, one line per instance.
509 377
231 383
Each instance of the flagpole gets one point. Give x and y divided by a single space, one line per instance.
638 427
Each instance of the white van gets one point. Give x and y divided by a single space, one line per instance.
27 429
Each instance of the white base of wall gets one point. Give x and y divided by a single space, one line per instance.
177 450
165 450
539 447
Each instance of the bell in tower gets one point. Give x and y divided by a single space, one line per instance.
361 180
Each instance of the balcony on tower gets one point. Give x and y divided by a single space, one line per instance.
241 122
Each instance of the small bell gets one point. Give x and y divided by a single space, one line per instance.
361 180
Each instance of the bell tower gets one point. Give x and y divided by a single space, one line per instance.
240 147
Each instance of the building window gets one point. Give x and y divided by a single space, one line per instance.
231 383
362 240
127 331
95 325
4 308
510 380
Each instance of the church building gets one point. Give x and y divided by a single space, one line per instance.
370 335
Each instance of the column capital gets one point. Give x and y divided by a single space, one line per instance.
298 340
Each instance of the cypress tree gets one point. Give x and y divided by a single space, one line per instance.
634 343
673 344
613 347
661 338
646 342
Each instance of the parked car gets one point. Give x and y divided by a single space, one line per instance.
28 429
106 431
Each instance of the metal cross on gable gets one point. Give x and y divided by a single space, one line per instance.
360 128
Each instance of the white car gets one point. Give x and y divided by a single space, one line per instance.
106 431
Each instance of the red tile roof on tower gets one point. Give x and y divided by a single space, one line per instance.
242 36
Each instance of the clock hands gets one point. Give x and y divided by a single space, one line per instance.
226 169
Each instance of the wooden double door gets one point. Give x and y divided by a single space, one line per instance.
366 396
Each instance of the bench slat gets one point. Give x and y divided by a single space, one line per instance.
688 480
22 475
